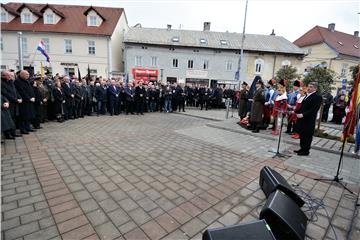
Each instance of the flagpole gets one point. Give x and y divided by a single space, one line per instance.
242 44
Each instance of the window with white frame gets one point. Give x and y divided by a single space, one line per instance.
3 67
285 63
47 44
1 44
138 61
154 61
91 47
69 71
259 65
93 21
49 18
68 46
24 44
190 64
229 65
344 67
93 72
206 64
4 17
26 18
175 63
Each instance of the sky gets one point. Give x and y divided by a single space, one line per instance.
289 18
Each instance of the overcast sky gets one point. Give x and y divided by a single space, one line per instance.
289 18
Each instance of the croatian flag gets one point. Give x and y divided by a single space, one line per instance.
41 48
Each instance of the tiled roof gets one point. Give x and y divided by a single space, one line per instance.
342 43
210 39
73 19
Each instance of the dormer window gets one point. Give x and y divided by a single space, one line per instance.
175 39
340 43
49 19
26 17
93 21
223 42
4 17
356 46
203 41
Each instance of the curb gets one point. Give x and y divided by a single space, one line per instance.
286 141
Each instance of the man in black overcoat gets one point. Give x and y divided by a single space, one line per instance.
26 108
140 98
8 91
68 91
306 118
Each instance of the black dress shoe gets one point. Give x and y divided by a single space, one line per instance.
255 130
31 130
297 151
9 137
17 135
24 132
303 153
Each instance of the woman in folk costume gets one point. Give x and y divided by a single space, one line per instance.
257 108
292 99
270 95
243 100
292 114
280 106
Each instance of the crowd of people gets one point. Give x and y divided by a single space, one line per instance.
268 106
29 101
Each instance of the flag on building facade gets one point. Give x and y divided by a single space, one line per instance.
237 75
41 48
351 116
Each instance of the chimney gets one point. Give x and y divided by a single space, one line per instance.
331 27
272 33
168 27
356 33
206 26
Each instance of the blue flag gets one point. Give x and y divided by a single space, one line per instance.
237 75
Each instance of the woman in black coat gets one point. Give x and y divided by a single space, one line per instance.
59 100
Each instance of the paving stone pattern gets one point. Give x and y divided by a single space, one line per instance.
149 177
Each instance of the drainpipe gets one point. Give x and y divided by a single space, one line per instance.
109 57
273 70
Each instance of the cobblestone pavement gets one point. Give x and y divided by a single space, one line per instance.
148 177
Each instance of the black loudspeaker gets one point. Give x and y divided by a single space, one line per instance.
246 231
270 180
284 217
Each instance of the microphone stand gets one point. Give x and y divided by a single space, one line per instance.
336 177
277 153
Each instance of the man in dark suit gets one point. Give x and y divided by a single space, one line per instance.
307 116
101 97
68 90
9 92
130 94
140 98
26 108
113 92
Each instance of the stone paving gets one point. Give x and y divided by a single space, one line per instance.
157 176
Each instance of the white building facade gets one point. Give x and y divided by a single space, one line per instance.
205 57
75 37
